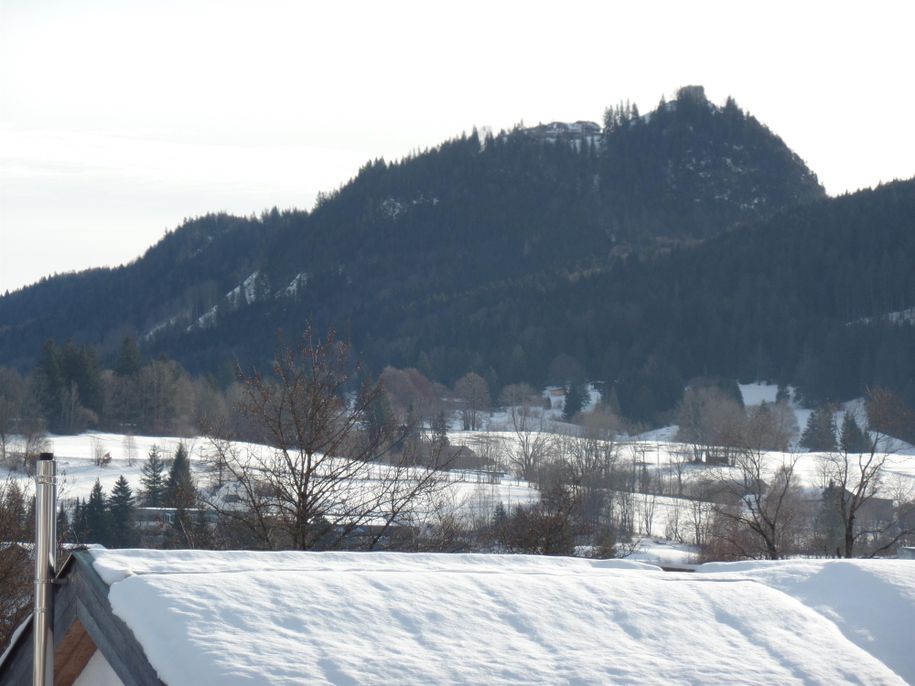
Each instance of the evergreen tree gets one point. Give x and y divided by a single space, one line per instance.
500 521
853 439
68 385
379 417
829 528
180 491
49 382
63 525
128 362
121 508
181 494
575 400
78 529
820 433
81 369
783 394
153 479
439 431
96 516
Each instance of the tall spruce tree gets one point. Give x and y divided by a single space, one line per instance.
49 382
96 517
63 524
153 479
820 433
129 360
853 439
180 491
77 531
575 400
122 533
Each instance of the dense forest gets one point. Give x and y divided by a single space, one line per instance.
686 242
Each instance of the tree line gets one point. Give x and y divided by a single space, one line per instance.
331 459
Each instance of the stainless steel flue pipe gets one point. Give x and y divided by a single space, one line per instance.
45 570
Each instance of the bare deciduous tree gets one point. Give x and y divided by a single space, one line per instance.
130 448
706 417
853 483
699 514
589 464
473 391
647 506
15 563
34 441
413 397
530 444
98 450
319 479
763 501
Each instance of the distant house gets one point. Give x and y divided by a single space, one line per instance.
717 455
575 133
462 457
459 457
556 395
154 522
874 514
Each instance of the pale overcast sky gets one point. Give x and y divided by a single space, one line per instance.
120 118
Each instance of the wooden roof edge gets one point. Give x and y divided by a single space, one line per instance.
112 637
81 599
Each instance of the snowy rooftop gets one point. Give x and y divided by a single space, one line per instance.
373 618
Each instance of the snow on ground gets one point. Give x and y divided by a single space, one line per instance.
871 601
665 434
662 456
77 470
756 393
474 493
382 618
471 493
664 553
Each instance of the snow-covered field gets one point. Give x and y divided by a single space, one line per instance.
662 456
475 493
77 469
384 618
470 492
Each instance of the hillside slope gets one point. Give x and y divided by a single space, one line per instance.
469 216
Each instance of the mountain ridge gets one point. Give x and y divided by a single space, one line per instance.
473 215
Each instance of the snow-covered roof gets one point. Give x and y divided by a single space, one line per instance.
872 602
373 618
195 617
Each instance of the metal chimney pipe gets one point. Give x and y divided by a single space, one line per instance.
45 570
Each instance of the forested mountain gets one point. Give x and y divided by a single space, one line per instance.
818 295
686 241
